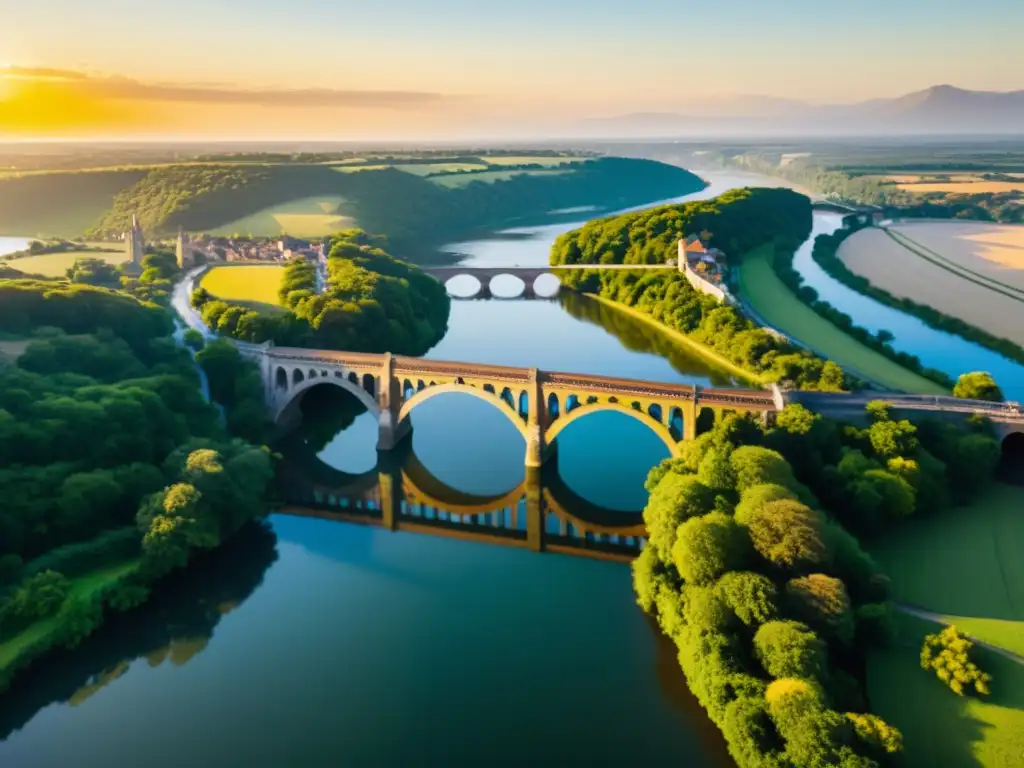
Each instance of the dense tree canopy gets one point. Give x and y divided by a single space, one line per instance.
372 303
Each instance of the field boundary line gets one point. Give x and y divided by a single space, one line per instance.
902 236
938 618
961 272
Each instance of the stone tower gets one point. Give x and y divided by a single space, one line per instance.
136 243
186 256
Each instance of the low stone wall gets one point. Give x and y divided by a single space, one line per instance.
706 286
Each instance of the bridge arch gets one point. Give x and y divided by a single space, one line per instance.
425 394
294 395
1012 459
583 411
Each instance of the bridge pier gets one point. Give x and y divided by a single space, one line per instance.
390 430
534 510
535 423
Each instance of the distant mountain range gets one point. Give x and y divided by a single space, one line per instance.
941 109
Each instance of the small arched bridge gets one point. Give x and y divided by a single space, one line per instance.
528 275
540 404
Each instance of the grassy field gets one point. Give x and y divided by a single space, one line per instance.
83 587
57 264
770 297
252 285
966 564
309 217
940 728
530 160
425 169
488 177
970 270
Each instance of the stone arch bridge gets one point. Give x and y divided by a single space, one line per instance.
528 275
541 404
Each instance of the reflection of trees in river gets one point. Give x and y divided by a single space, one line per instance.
641 337
326 411
173 626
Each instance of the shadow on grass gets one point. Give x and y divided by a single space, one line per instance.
940 728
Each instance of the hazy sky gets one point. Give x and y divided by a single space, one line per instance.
466 61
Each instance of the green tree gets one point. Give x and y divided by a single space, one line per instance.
751 596
788 535
706 547
821 601
790 649
978 386
948 653
676 499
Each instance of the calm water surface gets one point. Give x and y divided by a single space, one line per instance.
943 351
314 642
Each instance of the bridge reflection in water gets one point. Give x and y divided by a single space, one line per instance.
400 494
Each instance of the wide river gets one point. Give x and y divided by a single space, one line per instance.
315 642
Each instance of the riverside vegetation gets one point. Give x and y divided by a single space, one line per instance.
737 222
115 470
770 600
826 249
372 303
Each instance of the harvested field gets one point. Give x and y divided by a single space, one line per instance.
428 169
530 160
57 264
973 271
309 217
964 187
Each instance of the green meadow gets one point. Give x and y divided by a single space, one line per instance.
308 217
487 177
254 285
780 308
57 264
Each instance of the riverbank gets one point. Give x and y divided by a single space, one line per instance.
772 300
681 338
90 596
890 266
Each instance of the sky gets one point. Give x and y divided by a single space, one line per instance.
391 68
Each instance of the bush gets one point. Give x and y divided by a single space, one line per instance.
790 649
948 653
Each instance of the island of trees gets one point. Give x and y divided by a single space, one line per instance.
736 222
372 302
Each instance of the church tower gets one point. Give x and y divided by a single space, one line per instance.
136 243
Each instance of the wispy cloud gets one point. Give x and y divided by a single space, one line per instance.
123 88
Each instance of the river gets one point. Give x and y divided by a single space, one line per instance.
319 642
13 244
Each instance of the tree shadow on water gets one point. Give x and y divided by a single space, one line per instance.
175 624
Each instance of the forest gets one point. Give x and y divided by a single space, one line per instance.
115 470
735 222
412 211
753 570
372 303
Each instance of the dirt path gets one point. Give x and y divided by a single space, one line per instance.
921 613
